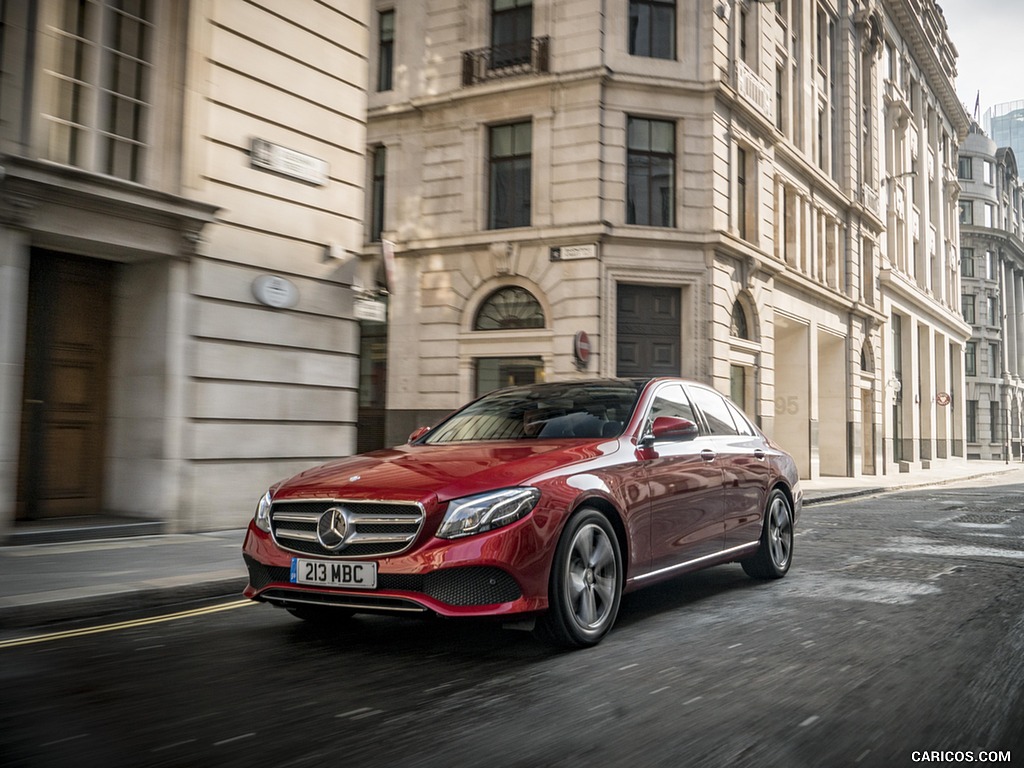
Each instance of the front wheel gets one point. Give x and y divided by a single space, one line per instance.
585 588
776 551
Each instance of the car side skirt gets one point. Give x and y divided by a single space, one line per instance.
725 556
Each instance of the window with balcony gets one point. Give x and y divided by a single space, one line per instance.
652 28
510 176
100 111
650 173
511 32
513 51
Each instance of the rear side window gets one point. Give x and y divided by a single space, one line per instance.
742 423
715 409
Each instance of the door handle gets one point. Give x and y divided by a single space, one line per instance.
708 455
759 454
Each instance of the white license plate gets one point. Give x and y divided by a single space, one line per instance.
324 573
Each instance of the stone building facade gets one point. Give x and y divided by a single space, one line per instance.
992 274
761 196
180 205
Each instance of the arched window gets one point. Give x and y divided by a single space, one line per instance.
867 363
739 326
509 308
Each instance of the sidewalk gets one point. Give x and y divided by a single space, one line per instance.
77 580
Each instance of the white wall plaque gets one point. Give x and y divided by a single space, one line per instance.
288 162
274 291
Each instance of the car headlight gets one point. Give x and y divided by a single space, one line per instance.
487 511
262 516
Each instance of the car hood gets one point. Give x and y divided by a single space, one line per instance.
416 472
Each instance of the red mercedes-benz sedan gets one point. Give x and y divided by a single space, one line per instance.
539 503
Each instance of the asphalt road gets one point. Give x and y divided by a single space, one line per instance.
900 630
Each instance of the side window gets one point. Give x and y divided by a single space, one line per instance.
715 410
671 401
742 423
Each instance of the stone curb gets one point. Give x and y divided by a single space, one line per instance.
23 613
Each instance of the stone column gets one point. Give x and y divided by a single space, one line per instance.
14 264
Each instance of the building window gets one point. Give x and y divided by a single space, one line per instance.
995 418
995 360
972 421
986 172
652 28
511 148
966 212
780 102
967 307
967 262
745 201
511 32
964 169
100 113
738 386
385 50
993 310
509 308
499 372
650 173
380 155
971 358
739 326
989 215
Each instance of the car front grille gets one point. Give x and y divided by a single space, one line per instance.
374 528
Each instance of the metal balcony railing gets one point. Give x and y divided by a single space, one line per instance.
499 61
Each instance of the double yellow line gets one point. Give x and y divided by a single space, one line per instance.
70 633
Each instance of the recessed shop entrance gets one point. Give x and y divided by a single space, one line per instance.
65 390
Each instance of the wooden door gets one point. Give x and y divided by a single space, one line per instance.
60 470
648 330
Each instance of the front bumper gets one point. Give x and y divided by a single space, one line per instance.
493 574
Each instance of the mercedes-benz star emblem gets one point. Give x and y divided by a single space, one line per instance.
332 527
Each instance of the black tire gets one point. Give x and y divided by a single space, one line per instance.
775 554
324 615
585 588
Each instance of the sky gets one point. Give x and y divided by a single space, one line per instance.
987 35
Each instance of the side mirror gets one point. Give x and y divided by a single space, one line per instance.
673 428
418 433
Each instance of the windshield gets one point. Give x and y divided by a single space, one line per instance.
589 409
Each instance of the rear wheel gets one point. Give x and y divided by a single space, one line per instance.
776 551
585 588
